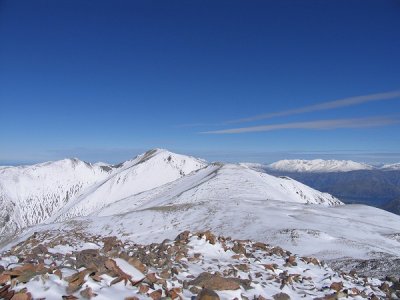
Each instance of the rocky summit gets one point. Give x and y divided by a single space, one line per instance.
65 265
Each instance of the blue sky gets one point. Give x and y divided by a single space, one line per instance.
106 80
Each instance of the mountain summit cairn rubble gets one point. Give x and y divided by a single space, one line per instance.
55 264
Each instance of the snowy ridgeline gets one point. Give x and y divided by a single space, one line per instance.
159 194
59 190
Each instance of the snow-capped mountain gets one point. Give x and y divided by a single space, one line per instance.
31 194
63 189
146 172
318 165
389 167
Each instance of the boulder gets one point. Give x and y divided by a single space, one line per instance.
183 237
39 249
156 295
22 296
137 264
91 259
281 296
239 248
207 294
217 282
209 236
336 286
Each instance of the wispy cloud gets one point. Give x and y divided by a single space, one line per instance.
316 125
188 125
322 106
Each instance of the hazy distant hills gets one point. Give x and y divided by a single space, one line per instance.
351 182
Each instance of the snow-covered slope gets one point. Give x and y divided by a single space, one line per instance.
31 194
218 182
318 165
148 171
57 191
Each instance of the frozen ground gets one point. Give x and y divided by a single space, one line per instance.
55 264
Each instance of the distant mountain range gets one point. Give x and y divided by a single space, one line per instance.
318 165
350 181
321 166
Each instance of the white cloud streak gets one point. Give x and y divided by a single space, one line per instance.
314 125
323 106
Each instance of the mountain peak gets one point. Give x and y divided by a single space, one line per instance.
159 155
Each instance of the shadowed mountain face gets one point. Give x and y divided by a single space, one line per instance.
393 206
377 188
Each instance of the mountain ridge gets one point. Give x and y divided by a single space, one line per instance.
70 187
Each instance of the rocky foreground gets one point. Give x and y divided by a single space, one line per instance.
56 264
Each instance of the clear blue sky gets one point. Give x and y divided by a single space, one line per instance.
105 80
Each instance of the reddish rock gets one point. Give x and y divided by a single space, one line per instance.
90 259
242 267
260 246
58 273
156 295
22 296
39 249
291 260
4 278
183 237
165 274
69 297
337 286
137 264
271 267
281 296
209 236
76 281
143 289
109 243
88 293
151 278
207 294
217 282
174 293
239 248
